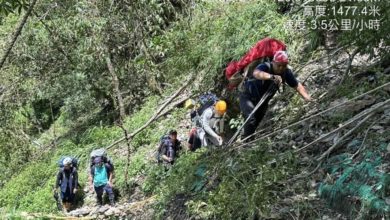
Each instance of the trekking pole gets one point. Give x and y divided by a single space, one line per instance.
270 90
58 201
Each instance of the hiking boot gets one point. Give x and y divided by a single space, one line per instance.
66 206
112 202
99 202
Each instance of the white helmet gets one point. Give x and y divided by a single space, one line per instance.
67 161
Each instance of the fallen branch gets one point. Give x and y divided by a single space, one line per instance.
350 121
335 145
155 116
310 117
361 148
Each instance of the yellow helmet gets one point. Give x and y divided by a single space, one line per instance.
189 104
220 107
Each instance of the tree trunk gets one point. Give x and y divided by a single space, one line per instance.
17 33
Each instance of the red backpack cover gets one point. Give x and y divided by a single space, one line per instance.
266 47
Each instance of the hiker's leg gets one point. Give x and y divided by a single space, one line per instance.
212 140
99 194
260 113
110 193
67 198
247 106
63 200
202 137
71 200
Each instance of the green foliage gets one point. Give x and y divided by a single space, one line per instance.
221 185
11 6
215 34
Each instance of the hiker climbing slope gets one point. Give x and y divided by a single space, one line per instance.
257 83
209 122
67 181
169 148
213 124
101 180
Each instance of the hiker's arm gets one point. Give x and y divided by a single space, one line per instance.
258 74
90 180
206 116
111 177
76 179
165 158
164 152
58 179
302 91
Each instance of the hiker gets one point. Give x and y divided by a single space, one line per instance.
67 181
258 82
101 179
169 148
210 127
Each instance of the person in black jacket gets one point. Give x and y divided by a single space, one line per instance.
258 82
67 182
170 148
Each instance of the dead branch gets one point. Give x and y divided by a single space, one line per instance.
361 148
295 178
335 145
156 115
350 121
310 117
17 33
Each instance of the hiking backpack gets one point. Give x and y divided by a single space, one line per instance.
205 101
103 154
74 162
163 138
264 50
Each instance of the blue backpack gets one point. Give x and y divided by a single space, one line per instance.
74 162
205 101
161 143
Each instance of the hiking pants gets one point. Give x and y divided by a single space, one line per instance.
206 139
100 190
247 105
67 196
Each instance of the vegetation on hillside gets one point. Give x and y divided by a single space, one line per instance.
57 97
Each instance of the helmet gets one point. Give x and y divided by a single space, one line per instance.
67 161
189 104
220 107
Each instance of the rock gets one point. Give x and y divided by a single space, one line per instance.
80 212
103 209
110 212
118 212
351 106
